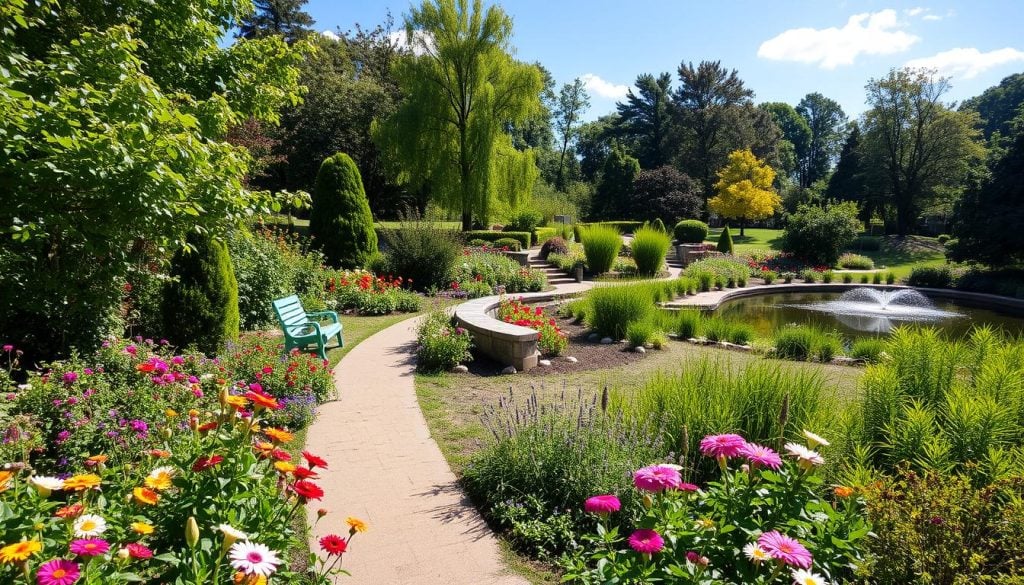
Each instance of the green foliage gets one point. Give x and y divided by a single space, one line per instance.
725 241
201 301
523 238
691 231
659 225
931 277
340 221
868 349
276 17
422 252
847 278
601 245
553 246
544 234
943 238
819 234
804 342
718 268
640 333
439 345
890 278
511 243
662 193
876 278
612 308
827 276
649 248
687 323
494 270
612 195
809 275
524 220
866 243
856 262
769 276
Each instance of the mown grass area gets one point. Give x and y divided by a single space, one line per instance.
753 239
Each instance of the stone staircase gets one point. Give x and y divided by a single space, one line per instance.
672 259
555 276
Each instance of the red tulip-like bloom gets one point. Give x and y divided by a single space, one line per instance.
204 462
333 544
313 460
308 490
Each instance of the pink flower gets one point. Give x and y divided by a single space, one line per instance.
58 572
785 549
138 551
657 478
761 456
646 541
697 559
727 445
89 547
687 487
602 505
70 377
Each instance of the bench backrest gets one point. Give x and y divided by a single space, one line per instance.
290 312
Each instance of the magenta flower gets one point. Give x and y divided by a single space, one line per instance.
687 487
761 456
657 478
646 541
727 445
697 559
602 505
8 347
70 377
58 572
89 547
785 549
130 349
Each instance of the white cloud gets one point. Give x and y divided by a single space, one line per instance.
597 86
330 34
869 33
915 11
399 40
967 63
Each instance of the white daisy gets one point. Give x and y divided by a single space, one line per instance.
253 558
804 577
814 441
46 485
755 553
805 457
88 525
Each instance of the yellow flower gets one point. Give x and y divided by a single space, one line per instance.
170 413
279 435
241 578
236 401
284 466
145 496
82 482
19 551
142 528
355 524
160 478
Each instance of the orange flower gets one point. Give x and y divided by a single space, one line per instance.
5 479
264 449
241 578
19 551
142 528
145 496
82 482
355 524
284 467
279 435
843 492
158 453
262 400
171 413
72 511
98 459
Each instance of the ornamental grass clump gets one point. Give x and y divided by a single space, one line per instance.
640 333
687 323
649 248
601 245
613 308
804 342
764 520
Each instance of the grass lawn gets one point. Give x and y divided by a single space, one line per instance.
753 239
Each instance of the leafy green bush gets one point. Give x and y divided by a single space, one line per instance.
827 276
856 262
524 238
827 347
525 220
201 302
649 248
741 333
340 221
769 276
866 243
943 238
639 333
601 245
510 243
847 278
439 345
725 241
422 252
613 308
477 243
728 268
494 269
691 231
868 349
543 234
818 235
554 245
809 275
931 277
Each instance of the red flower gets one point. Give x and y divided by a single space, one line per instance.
204 462
333 544
304 473
138 551
281 455
308 490
313 460
207 426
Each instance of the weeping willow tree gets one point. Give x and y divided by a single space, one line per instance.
462 88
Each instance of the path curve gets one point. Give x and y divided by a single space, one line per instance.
386 470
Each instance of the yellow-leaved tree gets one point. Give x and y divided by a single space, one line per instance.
744 189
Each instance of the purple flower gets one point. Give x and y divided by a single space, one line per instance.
657 478
164 342
130 349
139 425
105 344
87 371
70 377
63 436
255 387
193 380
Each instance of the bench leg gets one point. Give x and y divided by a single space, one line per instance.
341 342
321 350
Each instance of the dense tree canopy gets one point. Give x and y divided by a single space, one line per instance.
849 182
573 102
826 120
461 88
794 130
998 105
744 189
284 18
663 193
645 118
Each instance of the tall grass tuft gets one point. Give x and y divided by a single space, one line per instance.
868 349
612 308
687 323
640 333
649 248
601 245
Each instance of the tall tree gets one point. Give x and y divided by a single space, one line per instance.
284 18
646 118
663 193
573 101
708 102
849 181
998 105
594 144
612 196
795 131
744 189
460 87
918 144
826 121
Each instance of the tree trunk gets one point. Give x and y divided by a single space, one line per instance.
467 220
743 226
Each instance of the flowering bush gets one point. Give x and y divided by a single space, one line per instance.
491 269
207 496
550 339
367 294
440 346
763 522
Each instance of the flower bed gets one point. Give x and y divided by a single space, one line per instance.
368 294
550 339
141 465
486 271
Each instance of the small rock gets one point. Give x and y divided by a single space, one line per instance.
649 345
607 341
845 361
544 363
640 349
593 337
571 360
509 370
460 369
693 340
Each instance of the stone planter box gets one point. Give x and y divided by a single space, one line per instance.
506 343
523 258
687 253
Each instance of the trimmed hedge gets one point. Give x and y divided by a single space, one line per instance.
510 243
691 231
624 227
523 237
543 234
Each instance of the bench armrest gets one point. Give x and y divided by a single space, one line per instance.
331 314
314 324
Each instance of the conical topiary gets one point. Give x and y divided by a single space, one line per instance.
200 305
725 241
340 221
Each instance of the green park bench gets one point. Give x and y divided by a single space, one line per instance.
302 329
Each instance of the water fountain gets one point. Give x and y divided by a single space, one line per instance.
878 311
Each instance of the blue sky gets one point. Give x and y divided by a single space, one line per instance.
782 50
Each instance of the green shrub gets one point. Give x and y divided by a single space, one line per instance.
943 238
575 309
601 245
868 349
340 221
856 262
890 278
725 241
525 220
524 238
201 302
687 323
613 308
510 243
876 278
422 252
639 333
439 345
931 277
705 278
741 333
543 234
827 276
649 248
716 328
864 279
866 243
787 277
809 275
769 276
691 231
817 235
494 269
728 268
554 245
827 346
659 225
478 243
799 342
847 278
